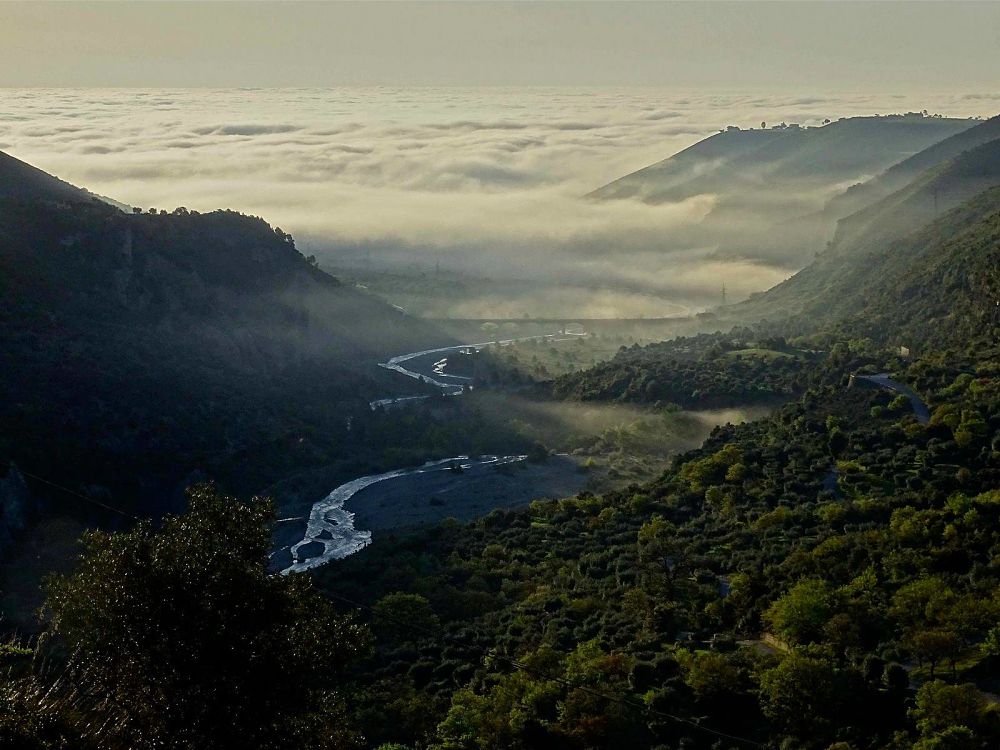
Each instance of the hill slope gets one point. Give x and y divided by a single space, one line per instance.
24 182
733 159
765 181
138 348
899 175
939 285
881 237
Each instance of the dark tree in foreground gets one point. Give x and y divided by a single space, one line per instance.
180 638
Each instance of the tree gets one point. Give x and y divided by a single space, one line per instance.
837 442
403 617
514 705
932 645
940 707
799 615
182 639
711 675
952 738
798 695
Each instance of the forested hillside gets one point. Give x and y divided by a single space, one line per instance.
827 575
140 348
697 372
916 225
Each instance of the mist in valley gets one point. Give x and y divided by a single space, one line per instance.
491 184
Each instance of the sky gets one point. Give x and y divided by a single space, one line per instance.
826 46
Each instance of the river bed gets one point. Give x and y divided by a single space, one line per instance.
462 488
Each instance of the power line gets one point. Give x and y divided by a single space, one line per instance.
521 666
68 491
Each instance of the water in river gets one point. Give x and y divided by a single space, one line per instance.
330 533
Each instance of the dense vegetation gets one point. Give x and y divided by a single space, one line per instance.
700 371
826 575
142 348
159 634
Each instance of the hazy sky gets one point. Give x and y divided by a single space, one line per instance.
829 46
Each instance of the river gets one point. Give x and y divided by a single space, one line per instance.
330 533
423 366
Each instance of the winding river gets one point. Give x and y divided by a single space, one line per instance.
450 385
330 533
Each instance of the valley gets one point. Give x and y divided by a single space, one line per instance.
464 487
356 504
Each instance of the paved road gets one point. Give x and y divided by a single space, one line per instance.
884 381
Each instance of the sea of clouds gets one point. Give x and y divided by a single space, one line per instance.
483 180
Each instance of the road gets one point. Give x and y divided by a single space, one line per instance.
883 380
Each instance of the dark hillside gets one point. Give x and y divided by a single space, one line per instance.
140 348
25 182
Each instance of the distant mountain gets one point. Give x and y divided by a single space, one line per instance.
138 348
671 178
899 175
943 219
765 181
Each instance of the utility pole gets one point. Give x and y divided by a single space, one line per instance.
723 292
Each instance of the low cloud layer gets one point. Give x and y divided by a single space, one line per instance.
487 181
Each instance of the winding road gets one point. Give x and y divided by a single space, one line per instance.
883 380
